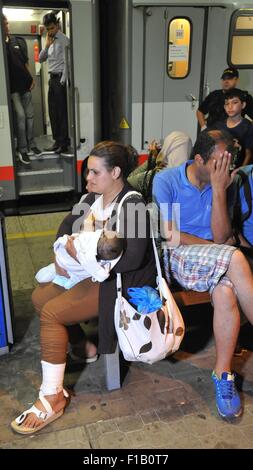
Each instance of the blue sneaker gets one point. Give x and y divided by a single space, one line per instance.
227 398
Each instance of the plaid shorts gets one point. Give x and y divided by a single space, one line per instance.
199 267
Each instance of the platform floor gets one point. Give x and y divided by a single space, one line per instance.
169 405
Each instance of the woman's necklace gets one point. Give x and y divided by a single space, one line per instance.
107 204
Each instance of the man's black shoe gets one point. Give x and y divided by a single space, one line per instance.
62 149
23 158
53 148
34 151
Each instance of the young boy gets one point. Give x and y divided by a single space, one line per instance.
93 254
239 127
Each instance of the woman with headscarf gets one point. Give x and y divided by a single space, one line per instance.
176 149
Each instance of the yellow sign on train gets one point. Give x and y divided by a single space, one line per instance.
124 124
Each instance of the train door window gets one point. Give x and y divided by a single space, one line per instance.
179 42
240 51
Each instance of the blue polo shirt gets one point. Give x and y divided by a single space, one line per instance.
247 229
172 186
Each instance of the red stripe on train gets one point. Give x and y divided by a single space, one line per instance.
79 166
7 173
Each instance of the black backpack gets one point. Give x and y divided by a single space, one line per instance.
150 172
20 41
238 217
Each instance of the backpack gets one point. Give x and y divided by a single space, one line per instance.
21 43
149 175
243 181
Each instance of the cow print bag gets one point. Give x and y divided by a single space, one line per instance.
153 336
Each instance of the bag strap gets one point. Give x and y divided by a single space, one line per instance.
158 264
238 217
157 260
121 202
161 285
247 194
126 196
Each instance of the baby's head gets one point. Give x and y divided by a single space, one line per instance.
110 245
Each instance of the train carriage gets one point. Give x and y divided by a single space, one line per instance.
167 57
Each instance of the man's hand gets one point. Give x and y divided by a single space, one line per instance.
220 176
154 146
49 41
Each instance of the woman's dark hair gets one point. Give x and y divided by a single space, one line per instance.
50 18
117 154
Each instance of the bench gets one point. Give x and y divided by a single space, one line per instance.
112 362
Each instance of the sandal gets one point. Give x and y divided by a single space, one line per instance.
47 417
86 360
81 357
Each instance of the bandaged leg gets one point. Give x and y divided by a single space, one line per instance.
53 375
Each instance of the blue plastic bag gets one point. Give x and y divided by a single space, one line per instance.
145 298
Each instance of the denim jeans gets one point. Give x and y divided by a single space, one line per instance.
23 108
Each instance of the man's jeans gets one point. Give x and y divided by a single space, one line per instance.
23 107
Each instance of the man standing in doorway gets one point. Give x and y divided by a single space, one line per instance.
21 84
54 52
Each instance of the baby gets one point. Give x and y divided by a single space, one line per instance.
93 255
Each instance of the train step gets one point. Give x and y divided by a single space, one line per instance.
52 156
45 171
41 180
46 190
42 162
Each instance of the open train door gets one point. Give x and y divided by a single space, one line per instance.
50 177
26 174
172 40
7 170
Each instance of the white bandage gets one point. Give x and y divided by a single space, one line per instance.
53 375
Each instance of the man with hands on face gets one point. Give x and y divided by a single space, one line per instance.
54 53
204 257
